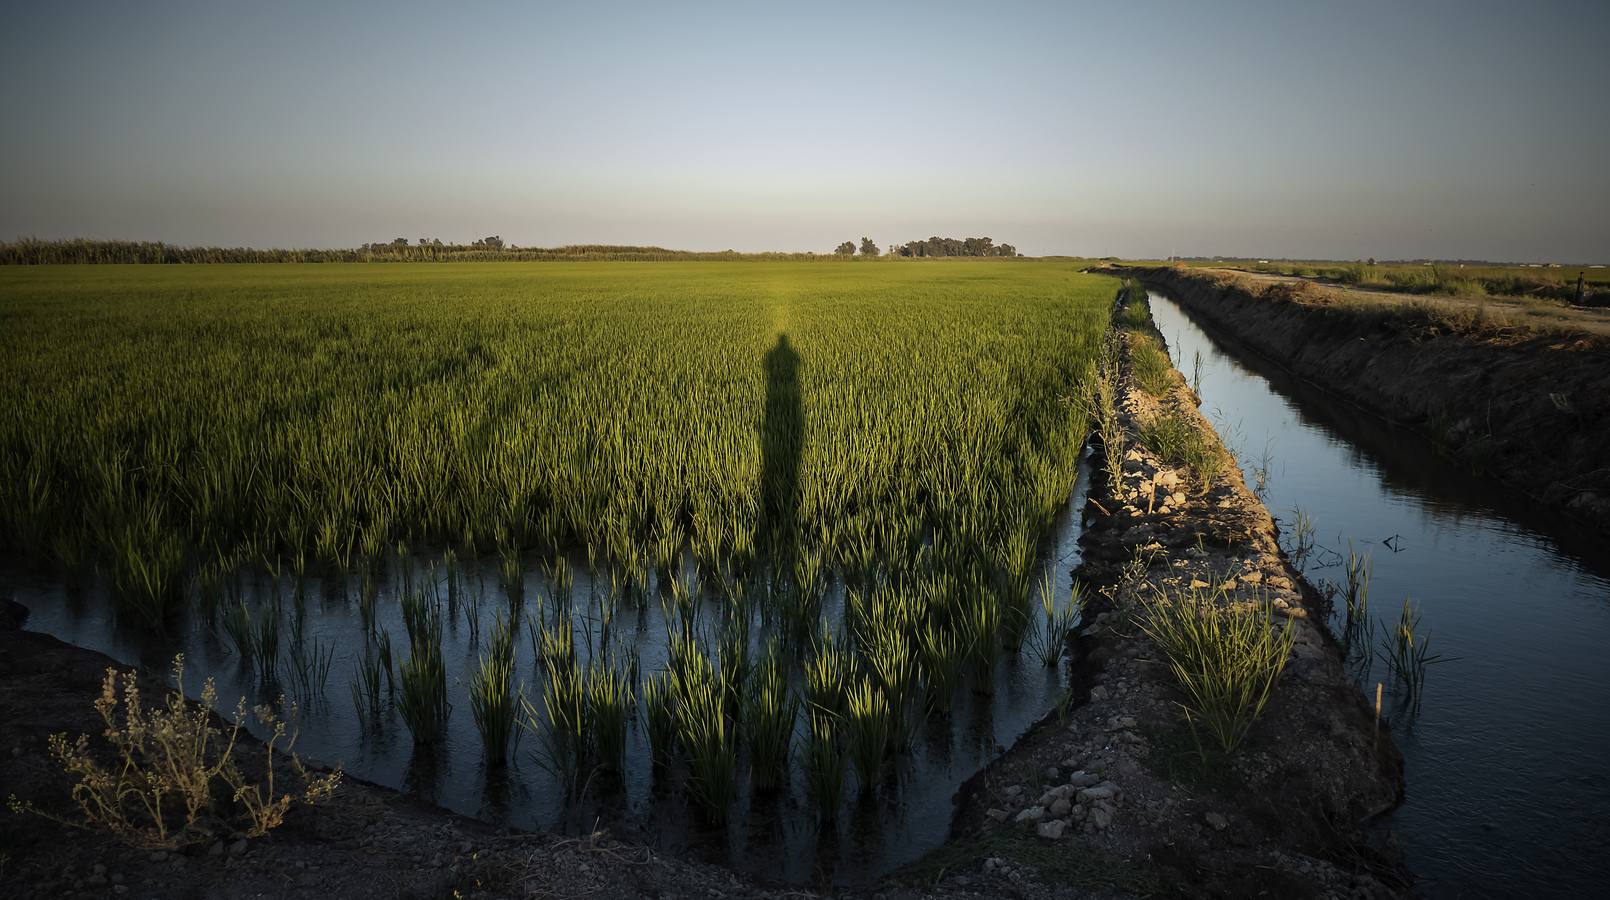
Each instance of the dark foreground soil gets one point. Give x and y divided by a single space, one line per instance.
1523 402
1107 798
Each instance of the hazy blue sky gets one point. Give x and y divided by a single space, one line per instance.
1282 129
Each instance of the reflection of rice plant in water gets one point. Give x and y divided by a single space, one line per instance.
824 761
492 694
1225 653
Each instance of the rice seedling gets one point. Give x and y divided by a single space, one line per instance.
825 674
703 729
609 702
492 694
769 710
869 726
943 656
423 675
562 726
660 717
1408 654
366 688
1051 640
1225 655
309 667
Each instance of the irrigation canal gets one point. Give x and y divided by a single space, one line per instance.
1505 759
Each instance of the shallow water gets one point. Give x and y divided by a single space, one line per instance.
1505 760
772 838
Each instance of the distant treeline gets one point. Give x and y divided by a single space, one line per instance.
30 251
938 246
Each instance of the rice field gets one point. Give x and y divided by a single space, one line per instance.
724 530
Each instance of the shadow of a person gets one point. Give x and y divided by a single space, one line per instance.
782 440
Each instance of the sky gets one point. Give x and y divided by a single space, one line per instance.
1290 129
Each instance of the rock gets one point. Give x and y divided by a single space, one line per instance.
1079 813
99 869
159 855
1082 779
1014 791
1218 821
1198 583
1100 817
120 889
217 849
1060 807
238 847
1099 792
1060 792
999 815
1126 721
1052 774
1051 830
1032 814
95 880
117 877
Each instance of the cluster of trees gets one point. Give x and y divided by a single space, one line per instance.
32 251
973 246
869 247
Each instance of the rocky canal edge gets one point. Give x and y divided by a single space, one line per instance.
1516 391
1109 796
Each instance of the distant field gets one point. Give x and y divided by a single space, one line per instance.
1538 282
170 422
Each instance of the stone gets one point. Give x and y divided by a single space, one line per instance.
217 849
999 815
1100 792
1218 821
1052 774
1060 807
1097 694
1060 792
1032 814
120 889
1052 830
1082 779
1100 817
159 855
1014 791
238 847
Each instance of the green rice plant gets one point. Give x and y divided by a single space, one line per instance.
825 674
609 702
1357 625
824 762
492 694
703 729
980 623
769 710
659 714
563 725
366 688
869 726
239 627
423 675
309 667
1225 655
734 661
1408 654
1051 640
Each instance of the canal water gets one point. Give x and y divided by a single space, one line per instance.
1507 790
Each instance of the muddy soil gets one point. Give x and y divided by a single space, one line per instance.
1526 406
1108 797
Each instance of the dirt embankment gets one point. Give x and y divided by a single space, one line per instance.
1524 403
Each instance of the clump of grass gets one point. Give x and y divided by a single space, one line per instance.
1150 365
1225 655
1179 442
870 729
366 687
309 667
492 694
768 717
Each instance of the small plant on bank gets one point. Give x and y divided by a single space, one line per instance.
170 763
1179 442
1226 656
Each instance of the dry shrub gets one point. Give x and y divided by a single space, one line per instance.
174 776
